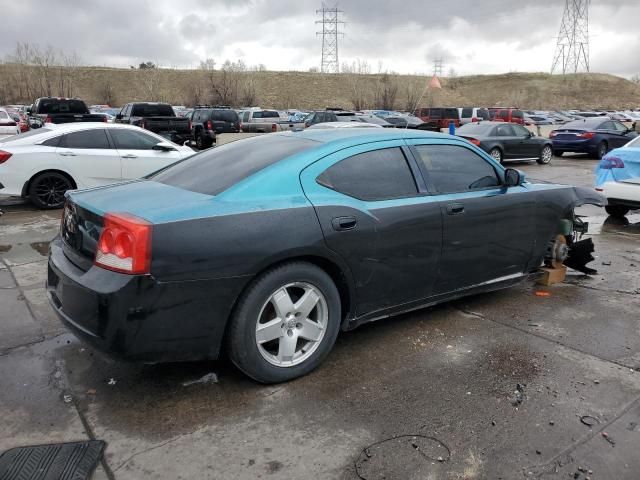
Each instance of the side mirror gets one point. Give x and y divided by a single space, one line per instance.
119 116
164 147
513 177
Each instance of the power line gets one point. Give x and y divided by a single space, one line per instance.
330 32
572 48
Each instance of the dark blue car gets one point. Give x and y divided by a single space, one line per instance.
270 246
595 136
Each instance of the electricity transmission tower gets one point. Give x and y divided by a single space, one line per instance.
330 32
572 49
437 67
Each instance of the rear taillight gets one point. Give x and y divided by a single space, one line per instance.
48 120
189 125
4 156
474 119
274 127
125 244
553 134
475 141
607 163
209 125
586 135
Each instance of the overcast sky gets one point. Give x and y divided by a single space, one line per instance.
473 36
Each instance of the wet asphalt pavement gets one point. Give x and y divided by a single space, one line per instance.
505 385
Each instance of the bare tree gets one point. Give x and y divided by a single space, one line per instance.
386 92
358 82
413 94
106 94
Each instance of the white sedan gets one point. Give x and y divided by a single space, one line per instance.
43 164
8 126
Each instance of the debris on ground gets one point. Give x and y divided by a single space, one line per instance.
518 395
67 398
589 421
91 391
542 293
606 263
112 381
208 378
608 438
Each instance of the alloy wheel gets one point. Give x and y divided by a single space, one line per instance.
50 190
496 154
291 324
546 155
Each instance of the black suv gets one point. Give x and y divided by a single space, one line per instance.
207 122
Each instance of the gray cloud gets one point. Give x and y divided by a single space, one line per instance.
472 36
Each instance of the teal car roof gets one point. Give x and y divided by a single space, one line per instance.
363 135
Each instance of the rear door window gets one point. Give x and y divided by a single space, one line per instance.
152 110
224 116
467 112
372 176
504 131
215 170
94 139
126 139
454 169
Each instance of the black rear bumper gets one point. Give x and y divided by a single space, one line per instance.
136 317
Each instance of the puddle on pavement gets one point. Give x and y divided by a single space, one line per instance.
41 247
5 248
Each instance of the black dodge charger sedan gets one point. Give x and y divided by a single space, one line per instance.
273 244
507 141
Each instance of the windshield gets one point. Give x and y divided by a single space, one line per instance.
152 110
213 171
55 105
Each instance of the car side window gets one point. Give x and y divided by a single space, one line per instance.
504 131
606 126
52 142
517 114
619 127
94 139
467 112
521 131
126 139
372 176
454 169
245 116
504 114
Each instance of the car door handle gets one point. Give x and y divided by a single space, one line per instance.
67 154
344 223
455 208
129 155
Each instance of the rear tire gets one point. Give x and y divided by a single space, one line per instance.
271 315
602 150
545 155
617 211
496 153
199 141
47 189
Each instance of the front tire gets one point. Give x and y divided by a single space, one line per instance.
617 211
496 153
545 155
285 324
46 190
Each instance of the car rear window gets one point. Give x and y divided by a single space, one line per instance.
55 105
475 129
224 116
266 114
215 170
152 110
30 133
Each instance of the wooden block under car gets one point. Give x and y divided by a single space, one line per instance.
552 275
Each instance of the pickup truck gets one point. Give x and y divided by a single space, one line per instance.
264 121
56 110
158 118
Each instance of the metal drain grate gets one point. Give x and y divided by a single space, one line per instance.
59 461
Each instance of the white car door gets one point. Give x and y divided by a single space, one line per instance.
136 149
90 157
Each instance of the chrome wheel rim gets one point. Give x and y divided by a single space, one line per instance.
291 324
546 155
496 155
50 191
